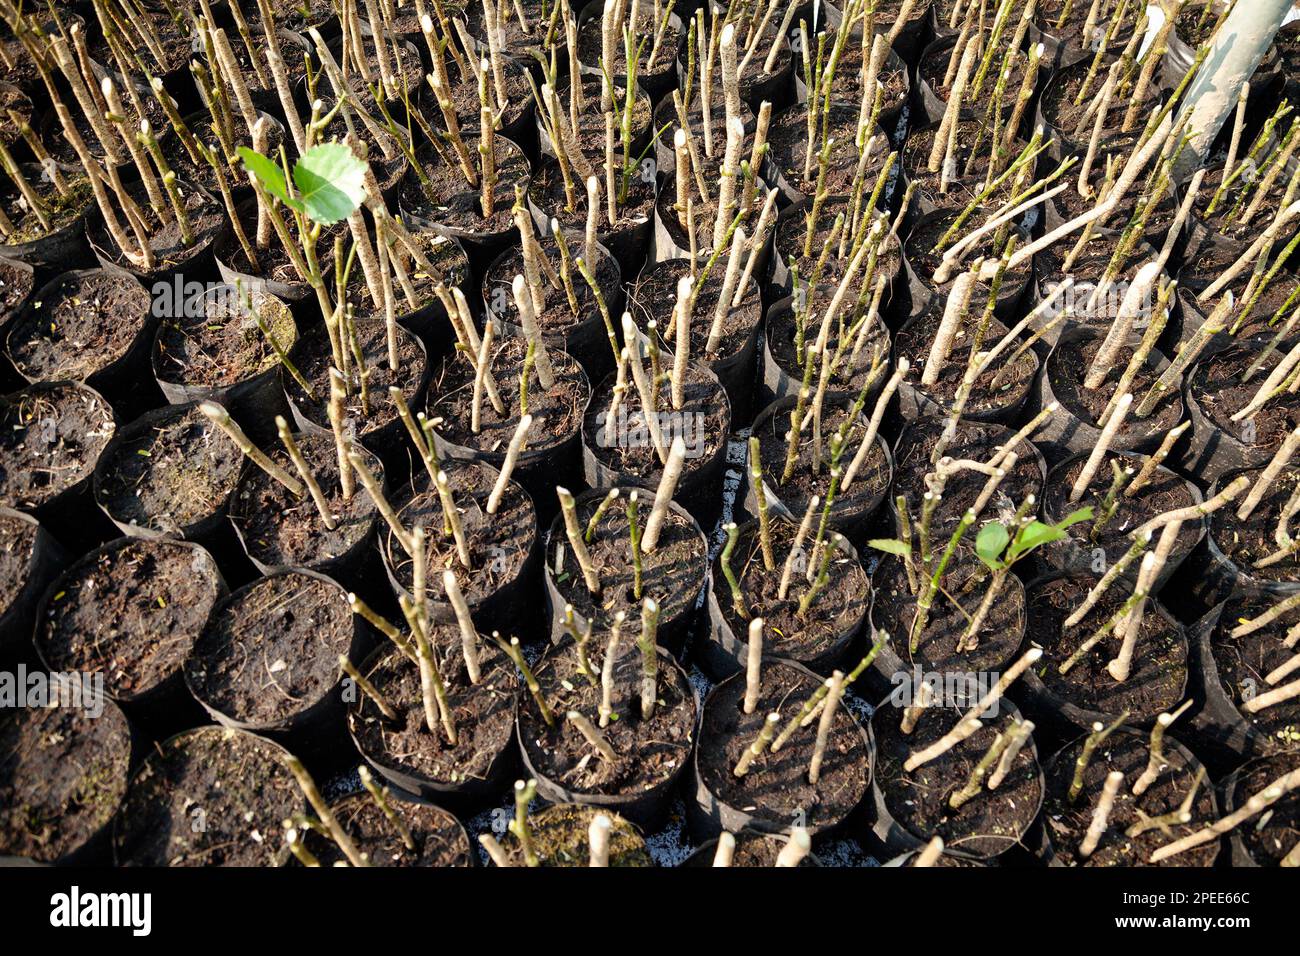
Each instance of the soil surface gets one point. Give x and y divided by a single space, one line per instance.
671 575
1217 388
1072 360
439 839
776 787
270 651
1248 541
130 611
556 413
51 436
79 325
61 210
870 371
448 200
209 797
655 296
483 713
792 231
17 543
15 287
557 315
169 474
647 753
838 611
988 824
498 544
1244 662
1269 839
560 838
547 193
751 850
216 344
970 167
1158 676
788 150
62 777
1067 821
207 221
280 529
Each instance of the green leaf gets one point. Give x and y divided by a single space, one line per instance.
1035 534
331 181
890 545
990 542
1074 517
269 174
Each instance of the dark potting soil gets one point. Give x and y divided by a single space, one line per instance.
1263 319
589 44
1071 361
62 776
1248 541
970 166
671 575
1086 270
1217 388
217 344
1165 492
314 360
933 69
17 544
174 33
754 74
207 219
703 422
209 797
1243 663
1158 675
655 296
498 544
13 100
15 287
984 826
788 144
1269 839
280 529
519 39
51 436
174 474
1067 822
483 713
273 262
674 223
647 753
966 581
560 837
848 72
1070 204
439 838
59 147
556 316
270 651
61 210
295 15
130 612
792 232
465 101
914 341
546 190
666 115
1226 218
556 413
840 606
974 441
872 477
449 200
1060 111
849 377
79 325
919 250
751 850
200 173
776 786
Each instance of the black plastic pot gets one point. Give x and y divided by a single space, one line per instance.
18 617
851 515
657 84
1069 432
674 626
895 838
60 249
722 652
160 705
1069 554
707 814
197 262
316 728
699 487
648 808
1234 798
